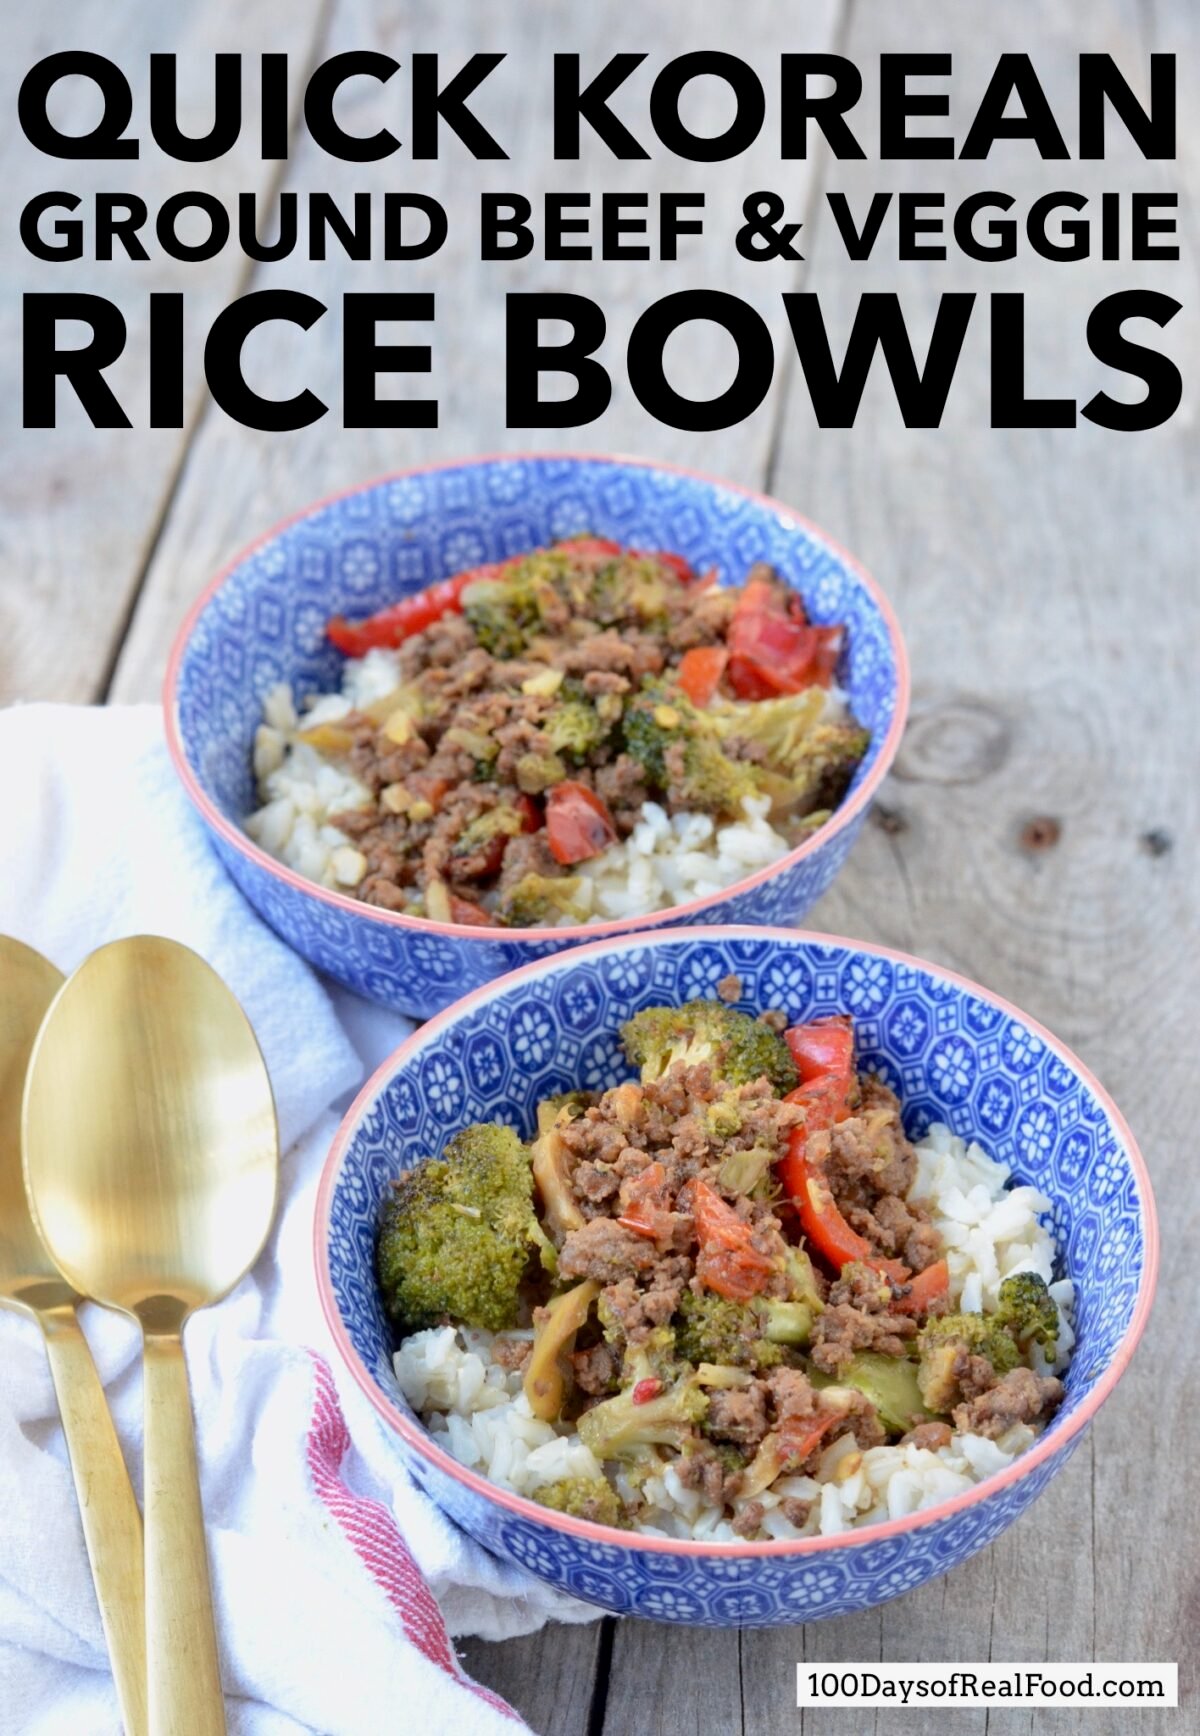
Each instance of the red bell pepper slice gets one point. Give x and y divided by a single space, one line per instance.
578 823
826 1230
822 1047
924 1289
400 621
700 672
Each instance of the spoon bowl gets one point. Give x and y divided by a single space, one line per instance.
151 1163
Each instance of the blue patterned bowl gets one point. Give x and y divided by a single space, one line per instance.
954 1053
262 621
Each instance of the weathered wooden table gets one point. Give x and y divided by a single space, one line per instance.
1039 832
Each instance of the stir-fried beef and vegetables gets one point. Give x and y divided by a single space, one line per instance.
721 1265
540 702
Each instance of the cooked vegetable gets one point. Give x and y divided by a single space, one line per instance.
553 1338
784 1450
925 1289
731 1334
591 1498
622 1427
740 1049
700 672
677 746
1026 1309
825 1046
891 1384
773 650
575 729
549 1159
400 621
742 1171
821 1220
578 823
945 1340
458 1232
537 901
728 1262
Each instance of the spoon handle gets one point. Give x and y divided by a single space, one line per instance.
183 1669
112 1525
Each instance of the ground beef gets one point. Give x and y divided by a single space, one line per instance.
596 1370
895 1228
593 1138
929 1436
738 1414
1020 1397
774 1020
606 1252
701 1468
748 1520
842 1330
791 1393
730 988
594 1183
623 786
795 1511
628 653
528 853
868 1155
638 1311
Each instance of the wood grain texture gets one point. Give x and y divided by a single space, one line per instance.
549 1676
1046 582
80 506
1046 585
236 483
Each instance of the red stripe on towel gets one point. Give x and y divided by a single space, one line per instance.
376 1539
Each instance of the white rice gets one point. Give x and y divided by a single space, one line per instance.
477 1411
666 860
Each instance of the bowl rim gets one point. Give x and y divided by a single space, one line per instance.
850 809
1046 1447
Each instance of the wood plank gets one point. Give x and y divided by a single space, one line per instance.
1046 585
668 1680
80 506
236 483
548 1676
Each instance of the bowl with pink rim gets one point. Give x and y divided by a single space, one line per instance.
954 1053
261 622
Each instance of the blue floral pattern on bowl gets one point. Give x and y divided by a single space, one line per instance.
262 622
956 1054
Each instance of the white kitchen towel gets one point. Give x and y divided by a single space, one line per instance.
329 1565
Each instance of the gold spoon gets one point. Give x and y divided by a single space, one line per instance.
151 1159
30 1282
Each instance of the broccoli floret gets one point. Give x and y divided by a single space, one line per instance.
892 1385
503 612
944 1339
591 1498
623 1427
741 1049
677 749
457 1233
574 729
539 900
1027 1310
826 763
716 1329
